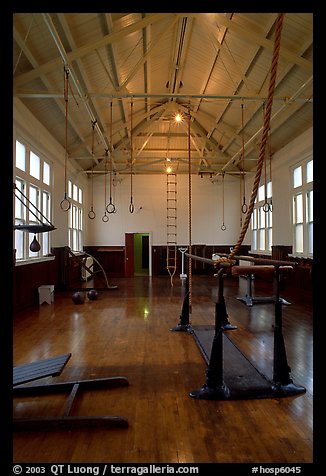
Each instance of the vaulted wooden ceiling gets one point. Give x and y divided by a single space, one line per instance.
107 86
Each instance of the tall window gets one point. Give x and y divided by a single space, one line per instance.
302 208
33 180
75 226
261 219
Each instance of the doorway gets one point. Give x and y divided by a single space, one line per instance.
138 259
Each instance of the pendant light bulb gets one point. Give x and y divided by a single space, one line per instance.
35 245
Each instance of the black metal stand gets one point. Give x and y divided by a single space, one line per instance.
249 300
215 388
282 383
184 324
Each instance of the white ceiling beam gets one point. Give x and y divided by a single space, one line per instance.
89 48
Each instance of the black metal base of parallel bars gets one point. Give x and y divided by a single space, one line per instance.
249 300
215 387
66 421
184 323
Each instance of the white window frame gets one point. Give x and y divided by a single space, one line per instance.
76 217
44 191
261 221
302 214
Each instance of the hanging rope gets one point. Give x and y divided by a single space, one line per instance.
270 167
190 218
91 213
65 204
244 207
105 218
110 208
223 227
131 206
277 44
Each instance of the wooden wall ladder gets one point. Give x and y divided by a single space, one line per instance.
171 224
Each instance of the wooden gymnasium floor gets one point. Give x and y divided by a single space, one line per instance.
126 332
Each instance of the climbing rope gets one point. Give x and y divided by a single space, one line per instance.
131 206
267 116
189 215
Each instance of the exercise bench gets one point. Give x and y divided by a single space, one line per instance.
23 374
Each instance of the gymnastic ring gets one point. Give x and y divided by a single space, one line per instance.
131 208
244 208
223 227
266 207
110 208
105 218
65 202
91 214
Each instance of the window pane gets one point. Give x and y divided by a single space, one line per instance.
45 244
310 206
297 177
261 217
19 206
33 195
299 238
46 173
20 156
262 239
299 209
254 240
34 165
269 189
270 239
261 193
75 193
69 189
80 197
310 177
19 243
310 238
254 218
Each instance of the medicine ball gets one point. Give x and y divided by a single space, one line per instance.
92 294
78 297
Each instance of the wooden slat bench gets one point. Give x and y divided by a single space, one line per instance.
26 373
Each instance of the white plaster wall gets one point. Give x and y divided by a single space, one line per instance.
149 199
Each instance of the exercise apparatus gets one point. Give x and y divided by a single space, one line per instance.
90 269
248 299
41 227
54 366
239 379
171 224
